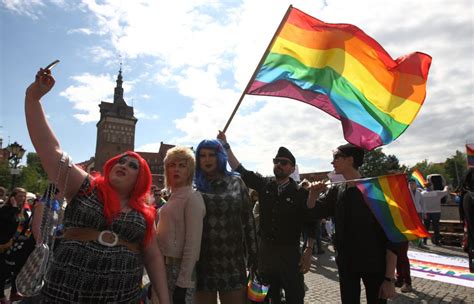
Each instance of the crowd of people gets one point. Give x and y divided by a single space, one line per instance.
210 230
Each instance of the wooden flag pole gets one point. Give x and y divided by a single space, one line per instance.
277 32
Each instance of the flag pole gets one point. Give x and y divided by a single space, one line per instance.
363 179
277 32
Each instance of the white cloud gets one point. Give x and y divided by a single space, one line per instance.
33 8
82 30
147 116
206 51
87 94
29 8
101 54
194 47
150 147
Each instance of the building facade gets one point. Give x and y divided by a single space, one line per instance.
116 127
116 134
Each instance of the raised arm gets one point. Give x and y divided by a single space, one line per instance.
315 188
233 161
43 138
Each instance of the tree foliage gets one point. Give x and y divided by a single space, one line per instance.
453 169
376 163
5 177
32 176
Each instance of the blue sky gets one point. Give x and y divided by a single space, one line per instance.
185 65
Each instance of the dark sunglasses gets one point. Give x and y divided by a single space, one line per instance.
131 164
280 161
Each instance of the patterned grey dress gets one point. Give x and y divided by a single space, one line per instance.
228 237
88 272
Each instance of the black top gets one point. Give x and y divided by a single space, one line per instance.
8 222
468 206
282 216
360 241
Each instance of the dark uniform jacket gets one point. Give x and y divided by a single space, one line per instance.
360 241
282 217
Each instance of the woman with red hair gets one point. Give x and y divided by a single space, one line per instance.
109 231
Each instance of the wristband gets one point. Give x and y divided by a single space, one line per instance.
393 280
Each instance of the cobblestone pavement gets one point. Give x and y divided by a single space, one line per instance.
323 286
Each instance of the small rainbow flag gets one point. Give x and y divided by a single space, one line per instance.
344 72
470 155
390 201
418 177
256 291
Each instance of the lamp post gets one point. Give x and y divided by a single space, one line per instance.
16 153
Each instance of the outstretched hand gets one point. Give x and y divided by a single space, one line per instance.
43 83
221 136
317 187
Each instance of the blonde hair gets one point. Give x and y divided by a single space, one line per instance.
179 154
14 192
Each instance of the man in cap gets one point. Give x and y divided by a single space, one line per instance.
283 217
363 251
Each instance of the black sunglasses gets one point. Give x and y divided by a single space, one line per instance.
282 162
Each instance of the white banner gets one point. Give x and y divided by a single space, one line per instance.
448 269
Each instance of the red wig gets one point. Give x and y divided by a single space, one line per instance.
138 197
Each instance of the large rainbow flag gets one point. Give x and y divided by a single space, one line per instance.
470 155
390 201
418 177
344 72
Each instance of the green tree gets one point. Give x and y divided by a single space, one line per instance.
33 177
5 177
376 163
33 160
455 168
426 168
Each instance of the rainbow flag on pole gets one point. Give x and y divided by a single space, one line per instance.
390 201
342 71
470 155
418 177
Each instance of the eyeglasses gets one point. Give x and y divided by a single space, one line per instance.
133 163
281 161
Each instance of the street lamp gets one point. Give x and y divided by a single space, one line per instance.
16 153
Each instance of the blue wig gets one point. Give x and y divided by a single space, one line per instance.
200 179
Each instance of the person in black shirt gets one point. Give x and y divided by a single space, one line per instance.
363 252
283 217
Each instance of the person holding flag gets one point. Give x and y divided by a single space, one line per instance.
363 251
283 217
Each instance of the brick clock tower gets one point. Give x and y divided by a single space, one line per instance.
116 127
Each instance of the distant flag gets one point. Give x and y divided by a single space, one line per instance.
418 177
470 155
342 71
391 202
